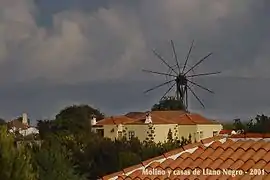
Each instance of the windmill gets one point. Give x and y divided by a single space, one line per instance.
181 77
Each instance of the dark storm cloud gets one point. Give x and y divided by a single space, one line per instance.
53 54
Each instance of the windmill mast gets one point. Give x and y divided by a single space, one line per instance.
181 77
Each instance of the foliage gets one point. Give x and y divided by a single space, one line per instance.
53 162
261 124
14 161
76 118
2 122
228 126
68 150
170 136
168 104
238 125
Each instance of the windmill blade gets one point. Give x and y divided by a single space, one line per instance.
163 60
168 91
186 97
200 86
196 96
160 73
198 63
159 86
188 56
204 74
175 56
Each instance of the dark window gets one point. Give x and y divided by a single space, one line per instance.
131 134
215 133
100 132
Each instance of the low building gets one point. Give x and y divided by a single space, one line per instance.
22 126
240 157
156 126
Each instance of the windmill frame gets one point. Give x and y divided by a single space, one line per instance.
181 77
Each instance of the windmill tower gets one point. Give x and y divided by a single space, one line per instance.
180 77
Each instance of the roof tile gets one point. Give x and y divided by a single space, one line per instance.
246 156
259 155
228 153
152 159
216 154
267 167
207 153
237 164
248 164
257 145
166 163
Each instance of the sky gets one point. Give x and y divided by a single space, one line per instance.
57 53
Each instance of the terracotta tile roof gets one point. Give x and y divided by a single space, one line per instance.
225 131
215 158
115 120
136 115
158 117
17 124
155 120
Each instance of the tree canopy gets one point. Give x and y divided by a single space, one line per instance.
167 104
259 124
2 122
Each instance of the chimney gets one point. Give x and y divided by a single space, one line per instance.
24 119
148 118
93 120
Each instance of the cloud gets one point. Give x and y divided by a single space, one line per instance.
113 42
78 47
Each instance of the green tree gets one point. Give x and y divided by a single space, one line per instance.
76 118
261 124
168 104
170 136
2 122
238 125
53 162
15 162
46 127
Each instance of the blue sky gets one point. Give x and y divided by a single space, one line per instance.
54 54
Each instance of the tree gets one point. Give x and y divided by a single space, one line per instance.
170 136
2 122
79 112
52 162
45 127
168 104
76 118
238 125
261 124
15 162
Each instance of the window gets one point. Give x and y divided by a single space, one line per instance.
215 133
100 132
201 134
131 134
120 134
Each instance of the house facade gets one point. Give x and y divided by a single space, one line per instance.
156 126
